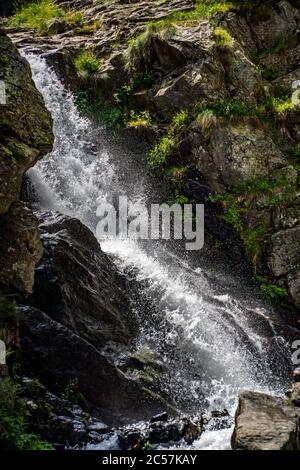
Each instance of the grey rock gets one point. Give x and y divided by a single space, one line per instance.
263 422
25 124
20 248
78 285
285 253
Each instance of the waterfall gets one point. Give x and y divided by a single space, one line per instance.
212 343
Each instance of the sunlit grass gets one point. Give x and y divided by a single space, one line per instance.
38 16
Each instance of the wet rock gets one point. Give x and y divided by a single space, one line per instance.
55 355
294 287
25 124
77 285
295 397
20 248
130 440
160 417
285 253
296 374
160 432
264 422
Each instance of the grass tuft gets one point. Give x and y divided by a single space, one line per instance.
39 15
87 63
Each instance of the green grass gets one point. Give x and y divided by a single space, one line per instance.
8 310
223 37
232 216
253 241
137 54
139 119
272 291
14 434
103 113
87 63
38 16
159 155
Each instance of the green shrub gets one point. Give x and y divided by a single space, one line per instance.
137 54
232 216
13 427
223 37
103 113
253 242
272 291
38 16
71 393
160 154
8 310
87 63
141 119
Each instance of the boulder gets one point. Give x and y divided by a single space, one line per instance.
285 252
55 355
161 431
263 422
235 153
295 397
77 284
20 248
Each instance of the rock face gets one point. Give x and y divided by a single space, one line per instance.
160 430
79 305
20 248
25 136
263 422
77 285
26 125
55 355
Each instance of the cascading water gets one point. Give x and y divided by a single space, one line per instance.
212 344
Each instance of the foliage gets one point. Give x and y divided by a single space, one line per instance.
253 239
141 119
272 291
103 113
13 427
88 28
137 54
232 216
71 393
159 155
38 16
269 73
87 63
180 199
8 310
223 37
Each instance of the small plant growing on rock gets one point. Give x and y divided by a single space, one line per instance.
272 291
8 310
223 37
159 155
139 119
14 434
87 64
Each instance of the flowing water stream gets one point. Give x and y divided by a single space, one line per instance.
213 343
